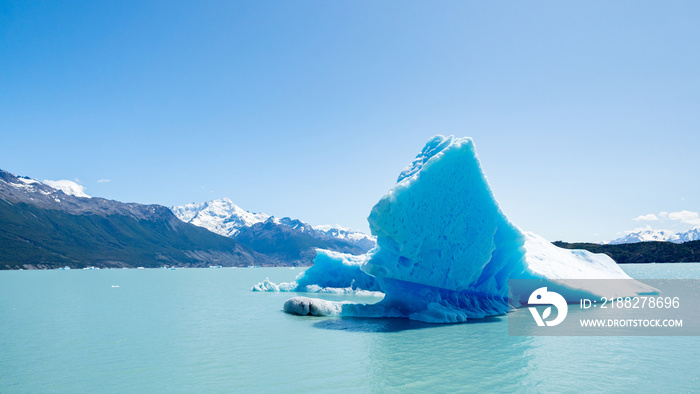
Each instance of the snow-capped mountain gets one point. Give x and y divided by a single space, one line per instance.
691 235
343 233
337 232
224 217
284 239
648 234
219 216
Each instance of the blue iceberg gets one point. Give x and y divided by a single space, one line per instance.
445 251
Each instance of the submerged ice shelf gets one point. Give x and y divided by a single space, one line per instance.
445 251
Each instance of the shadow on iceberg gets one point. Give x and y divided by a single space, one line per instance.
445 251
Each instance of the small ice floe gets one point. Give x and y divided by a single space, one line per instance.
139 268
115 285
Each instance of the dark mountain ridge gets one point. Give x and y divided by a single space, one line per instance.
292 240
643 252
42 227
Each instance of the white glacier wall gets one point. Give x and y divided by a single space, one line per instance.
445 250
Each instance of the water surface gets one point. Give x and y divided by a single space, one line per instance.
203 330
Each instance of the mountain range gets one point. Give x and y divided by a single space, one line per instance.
224 217
54 224
43 226
648 234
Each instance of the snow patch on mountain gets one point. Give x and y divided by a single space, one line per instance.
69 187
29 185
47 188
27 181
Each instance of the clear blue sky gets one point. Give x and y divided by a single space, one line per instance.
585 114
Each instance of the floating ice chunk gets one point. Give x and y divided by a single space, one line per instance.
332 272
305 306
267 285
445 250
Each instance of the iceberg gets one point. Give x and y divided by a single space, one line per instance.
445 251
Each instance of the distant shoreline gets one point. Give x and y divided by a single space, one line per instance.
643 252
650 252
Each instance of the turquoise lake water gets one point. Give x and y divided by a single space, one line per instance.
203 330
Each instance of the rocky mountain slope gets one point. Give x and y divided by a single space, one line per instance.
44 227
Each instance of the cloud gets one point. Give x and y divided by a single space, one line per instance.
68 187
686 217
104 180
648 217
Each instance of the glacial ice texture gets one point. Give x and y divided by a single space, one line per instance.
332 272
445 250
